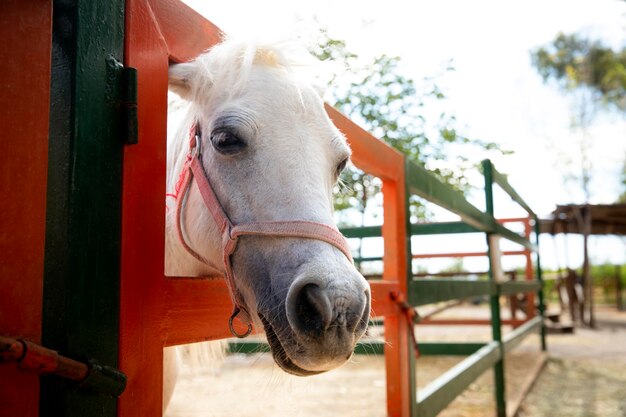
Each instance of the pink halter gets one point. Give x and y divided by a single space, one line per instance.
230 233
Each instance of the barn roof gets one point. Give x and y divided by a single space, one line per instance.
606 219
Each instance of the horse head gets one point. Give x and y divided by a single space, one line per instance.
271 154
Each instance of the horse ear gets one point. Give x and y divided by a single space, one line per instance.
180 77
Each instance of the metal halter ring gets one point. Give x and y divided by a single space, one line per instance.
196 140
232 328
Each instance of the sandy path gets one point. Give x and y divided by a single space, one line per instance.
585 377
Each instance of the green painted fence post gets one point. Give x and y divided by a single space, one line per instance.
83 218
540 295
494 299
409 277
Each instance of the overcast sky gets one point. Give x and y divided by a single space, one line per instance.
494 92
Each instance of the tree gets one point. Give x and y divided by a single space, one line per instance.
378 96
594 76
577 63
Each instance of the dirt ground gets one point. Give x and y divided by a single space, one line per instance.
586 373
585 376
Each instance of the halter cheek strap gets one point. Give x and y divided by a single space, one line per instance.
230 233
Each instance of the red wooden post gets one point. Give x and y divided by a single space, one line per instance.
399 355
376 158
155 310
26 33
143 220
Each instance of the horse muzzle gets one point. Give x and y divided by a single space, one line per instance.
326 317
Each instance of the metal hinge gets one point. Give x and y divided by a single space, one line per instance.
122 93
129 105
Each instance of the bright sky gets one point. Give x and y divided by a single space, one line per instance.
494 92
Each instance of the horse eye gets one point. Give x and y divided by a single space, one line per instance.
226 141
342 166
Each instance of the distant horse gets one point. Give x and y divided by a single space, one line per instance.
251 171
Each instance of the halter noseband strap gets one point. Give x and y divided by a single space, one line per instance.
230 233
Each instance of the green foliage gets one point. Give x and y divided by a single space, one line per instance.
622 197
594 75
604 281
379 97
455 265
575 62
603 276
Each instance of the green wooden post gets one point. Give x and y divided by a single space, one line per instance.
409 278
494 299
81 278
540 295
619 299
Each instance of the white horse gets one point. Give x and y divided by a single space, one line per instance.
271 157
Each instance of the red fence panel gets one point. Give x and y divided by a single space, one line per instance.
26 33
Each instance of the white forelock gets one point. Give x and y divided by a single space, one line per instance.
229 63
222 73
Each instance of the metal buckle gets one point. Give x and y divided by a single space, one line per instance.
236 312
195 141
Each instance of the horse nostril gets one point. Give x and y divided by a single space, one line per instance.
313 310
